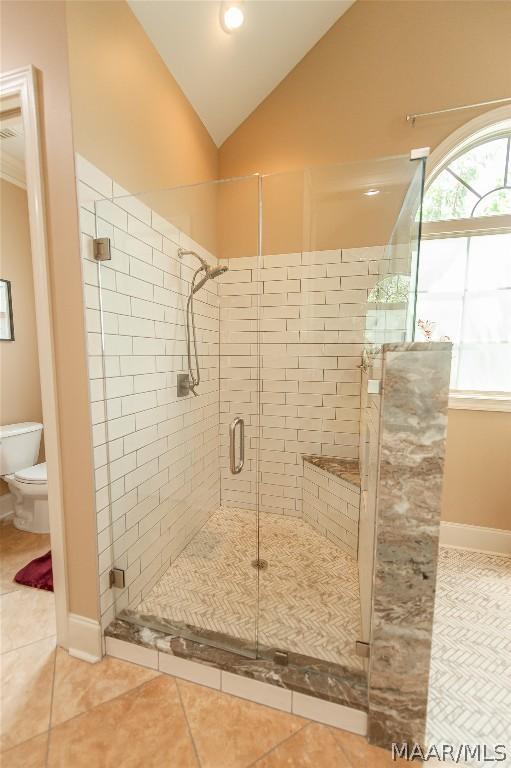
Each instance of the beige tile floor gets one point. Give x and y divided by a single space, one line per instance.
59 712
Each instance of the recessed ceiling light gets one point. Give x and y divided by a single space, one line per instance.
231 16
372 192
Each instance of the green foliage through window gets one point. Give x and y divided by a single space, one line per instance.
476 183
390 290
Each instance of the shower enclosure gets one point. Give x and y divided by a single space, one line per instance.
232 481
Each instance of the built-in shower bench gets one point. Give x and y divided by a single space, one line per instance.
331 499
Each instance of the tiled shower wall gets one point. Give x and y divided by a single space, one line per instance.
313 309
331 505
155 456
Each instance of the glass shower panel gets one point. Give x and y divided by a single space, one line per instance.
390 319
391 315
179 324
325 235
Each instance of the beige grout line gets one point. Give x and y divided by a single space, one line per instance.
20 587
51 706
187 721
86 711
22 743
276 746
340 746
32 642
249 701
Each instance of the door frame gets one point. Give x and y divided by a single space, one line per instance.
22 83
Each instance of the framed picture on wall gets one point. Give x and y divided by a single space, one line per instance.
6 320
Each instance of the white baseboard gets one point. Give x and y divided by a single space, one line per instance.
6 505
475 537
85 639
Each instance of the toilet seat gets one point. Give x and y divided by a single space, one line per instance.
36 475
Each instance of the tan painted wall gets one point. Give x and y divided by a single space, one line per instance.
35 33
132 120
347 99
20 390
477 488
130 117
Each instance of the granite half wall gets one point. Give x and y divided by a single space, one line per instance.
413 425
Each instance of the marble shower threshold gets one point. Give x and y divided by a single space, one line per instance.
313 677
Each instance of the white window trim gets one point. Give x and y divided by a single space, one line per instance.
480 401
478 225
488 123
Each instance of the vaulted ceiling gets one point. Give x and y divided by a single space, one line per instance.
225 76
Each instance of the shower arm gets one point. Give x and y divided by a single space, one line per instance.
183 252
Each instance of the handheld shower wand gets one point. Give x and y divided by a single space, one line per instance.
211 272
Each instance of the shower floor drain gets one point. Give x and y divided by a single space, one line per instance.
261 565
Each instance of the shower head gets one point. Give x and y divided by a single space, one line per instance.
216 271
211 273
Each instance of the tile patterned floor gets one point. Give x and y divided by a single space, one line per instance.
470 682
59 712
308 596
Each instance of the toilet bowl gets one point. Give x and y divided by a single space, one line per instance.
29 488
27 481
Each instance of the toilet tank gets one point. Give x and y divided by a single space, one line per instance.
19 446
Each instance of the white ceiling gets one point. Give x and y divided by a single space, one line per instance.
225 76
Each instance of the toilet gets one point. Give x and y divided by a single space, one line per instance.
27 481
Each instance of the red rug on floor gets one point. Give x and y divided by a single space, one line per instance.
38 573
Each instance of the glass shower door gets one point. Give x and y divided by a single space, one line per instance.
239 288
177 335
325 236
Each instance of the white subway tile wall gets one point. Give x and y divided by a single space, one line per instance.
332 507
312 310
156 457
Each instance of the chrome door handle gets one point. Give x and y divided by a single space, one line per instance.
236 468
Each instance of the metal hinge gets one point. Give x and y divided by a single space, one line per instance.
362 649
281 657
117 578
419 153
101 249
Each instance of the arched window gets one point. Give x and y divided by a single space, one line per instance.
464 281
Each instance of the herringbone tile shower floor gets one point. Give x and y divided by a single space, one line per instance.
470 680
307 600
